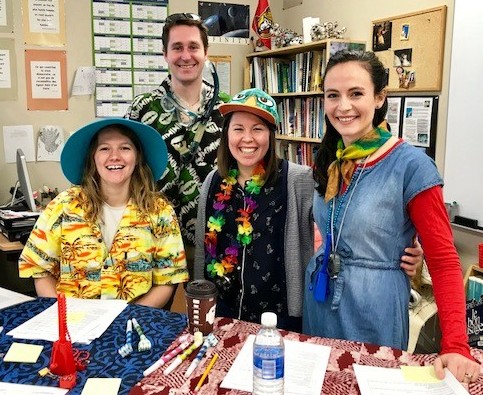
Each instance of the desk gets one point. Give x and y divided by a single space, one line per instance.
9 253
160 326
339 377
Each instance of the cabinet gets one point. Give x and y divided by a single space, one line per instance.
293 77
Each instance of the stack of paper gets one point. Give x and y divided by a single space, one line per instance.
10 298
87 319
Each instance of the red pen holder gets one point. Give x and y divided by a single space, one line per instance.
480 255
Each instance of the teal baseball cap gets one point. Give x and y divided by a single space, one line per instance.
74 153
254 101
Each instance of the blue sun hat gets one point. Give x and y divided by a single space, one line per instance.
74 153
254 101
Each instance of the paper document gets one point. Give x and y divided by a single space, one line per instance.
374 380
87 319
10 298
305 366
23 389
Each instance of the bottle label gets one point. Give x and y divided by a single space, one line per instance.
268 363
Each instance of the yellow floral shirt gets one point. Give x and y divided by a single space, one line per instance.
145 252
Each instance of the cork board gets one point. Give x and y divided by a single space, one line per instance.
411 46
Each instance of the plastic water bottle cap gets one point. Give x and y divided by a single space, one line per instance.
269 319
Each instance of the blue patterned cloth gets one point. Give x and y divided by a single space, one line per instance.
160 326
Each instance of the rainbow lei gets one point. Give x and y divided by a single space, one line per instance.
225 264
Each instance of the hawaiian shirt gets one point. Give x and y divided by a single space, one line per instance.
145 251
182 180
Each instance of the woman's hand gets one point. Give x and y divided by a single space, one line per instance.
464 369
413 259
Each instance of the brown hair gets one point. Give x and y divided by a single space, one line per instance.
226 161
142 185
180 20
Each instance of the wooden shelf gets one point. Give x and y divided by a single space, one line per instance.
9 246
294 49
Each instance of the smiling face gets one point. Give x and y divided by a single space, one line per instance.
350 101
248 141
115 158
185 54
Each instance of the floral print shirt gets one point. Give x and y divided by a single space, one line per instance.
145 251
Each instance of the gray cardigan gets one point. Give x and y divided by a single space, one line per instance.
299 232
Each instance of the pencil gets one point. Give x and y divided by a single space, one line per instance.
207 370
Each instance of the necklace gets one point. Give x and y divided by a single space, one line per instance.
219 266
334 258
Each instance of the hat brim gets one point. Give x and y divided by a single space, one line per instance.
74 153
228 108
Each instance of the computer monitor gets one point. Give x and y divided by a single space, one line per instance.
24 181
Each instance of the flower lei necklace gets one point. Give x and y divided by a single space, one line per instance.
225 264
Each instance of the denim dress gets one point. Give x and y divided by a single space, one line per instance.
368 300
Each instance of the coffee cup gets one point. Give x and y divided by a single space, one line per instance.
201 306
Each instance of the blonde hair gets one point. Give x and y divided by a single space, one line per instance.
142 186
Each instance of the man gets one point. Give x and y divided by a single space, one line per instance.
173 109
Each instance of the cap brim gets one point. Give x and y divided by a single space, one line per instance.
233 107
74 153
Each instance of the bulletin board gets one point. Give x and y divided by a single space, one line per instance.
411 46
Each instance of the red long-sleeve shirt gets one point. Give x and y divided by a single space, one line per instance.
428 213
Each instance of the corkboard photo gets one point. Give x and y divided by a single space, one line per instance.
414 52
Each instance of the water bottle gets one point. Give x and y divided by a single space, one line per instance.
268 358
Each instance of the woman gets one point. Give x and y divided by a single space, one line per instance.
254 216
374 193
111 236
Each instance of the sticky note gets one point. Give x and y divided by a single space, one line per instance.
419 374
21 352
104 386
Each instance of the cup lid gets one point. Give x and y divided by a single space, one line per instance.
201 288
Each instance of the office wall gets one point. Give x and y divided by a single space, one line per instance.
81 108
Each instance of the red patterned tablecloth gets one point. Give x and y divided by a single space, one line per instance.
339 377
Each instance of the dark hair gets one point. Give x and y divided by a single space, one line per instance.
185 19
226 161
327 150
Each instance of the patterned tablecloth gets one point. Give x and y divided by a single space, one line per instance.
161 327
339 377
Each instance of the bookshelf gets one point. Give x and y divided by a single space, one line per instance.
293 77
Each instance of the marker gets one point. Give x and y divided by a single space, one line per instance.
180 358
168 357
210 341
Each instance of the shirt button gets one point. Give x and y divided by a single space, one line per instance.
106 267
99 240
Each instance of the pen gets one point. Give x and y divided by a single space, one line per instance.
180 358
207 370
210 341
168 357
